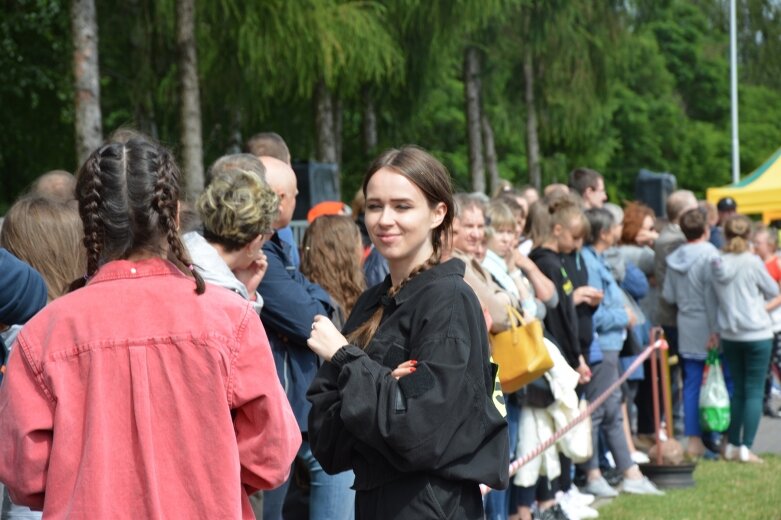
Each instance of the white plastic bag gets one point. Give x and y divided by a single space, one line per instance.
714 399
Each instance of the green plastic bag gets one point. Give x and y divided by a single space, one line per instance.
714 399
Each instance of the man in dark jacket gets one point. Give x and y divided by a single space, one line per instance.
290 304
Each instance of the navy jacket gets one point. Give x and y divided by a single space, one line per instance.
290 303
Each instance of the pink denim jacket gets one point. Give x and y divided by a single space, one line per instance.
136 398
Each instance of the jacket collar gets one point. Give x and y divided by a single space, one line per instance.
452 267
120 269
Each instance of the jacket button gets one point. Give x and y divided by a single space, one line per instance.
133 270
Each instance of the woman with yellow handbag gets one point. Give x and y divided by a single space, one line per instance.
519 350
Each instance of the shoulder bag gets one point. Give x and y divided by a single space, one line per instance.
520 352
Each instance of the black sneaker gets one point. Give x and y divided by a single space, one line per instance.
712 441
554 513
613 476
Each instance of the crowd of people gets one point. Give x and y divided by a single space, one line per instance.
167 358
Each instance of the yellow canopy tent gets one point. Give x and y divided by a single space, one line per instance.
759 193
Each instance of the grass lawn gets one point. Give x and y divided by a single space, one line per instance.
723 490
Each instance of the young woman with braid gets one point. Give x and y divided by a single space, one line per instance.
408 398
141 393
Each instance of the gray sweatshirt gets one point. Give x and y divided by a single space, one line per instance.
213 269
742 285
687 285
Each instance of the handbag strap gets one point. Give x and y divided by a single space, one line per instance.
516 318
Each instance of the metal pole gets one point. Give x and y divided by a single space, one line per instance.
733 55
667 389
657 418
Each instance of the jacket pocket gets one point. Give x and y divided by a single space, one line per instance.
445 495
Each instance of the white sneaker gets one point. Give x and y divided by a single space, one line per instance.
587 512
731 452
600 488
569 508
640 486
638 457
573 510
581 499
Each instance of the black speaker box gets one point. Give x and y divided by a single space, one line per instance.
316 182
653 188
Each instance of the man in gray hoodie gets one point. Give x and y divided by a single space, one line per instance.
687 285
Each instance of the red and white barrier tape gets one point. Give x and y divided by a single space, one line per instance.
660 344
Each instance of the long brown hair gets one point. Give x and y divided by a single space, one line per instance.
432 178
47 234
332 258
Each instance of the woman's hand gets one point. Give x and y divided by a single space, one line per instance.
584 371
522 261
632 317
325 338
589 295
251 275
646 237
404 369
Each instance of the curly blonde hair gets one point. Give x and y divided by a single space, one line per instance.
236 208
331 258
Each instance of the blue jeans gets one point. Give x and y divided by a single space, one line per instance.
692 381
330 496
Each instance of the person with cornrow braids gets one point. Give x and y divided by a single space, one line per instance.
408 397
142 393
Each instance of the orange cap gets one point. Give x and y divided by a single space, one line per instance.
327 207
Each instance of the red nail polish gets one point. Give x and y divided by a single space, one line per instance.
411 370
413 362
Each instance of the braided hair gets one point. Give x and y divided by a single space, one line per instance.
433 179
128 196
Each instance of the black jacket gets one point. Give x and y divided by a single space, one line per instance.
561 321
446 419
576 269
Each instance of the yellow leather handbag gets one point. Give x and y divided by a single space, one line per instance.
520 352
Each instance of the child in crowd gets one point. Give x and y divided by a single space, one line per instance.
689 286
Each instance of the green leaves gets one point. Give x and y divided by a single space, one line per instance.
619 85
296 43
